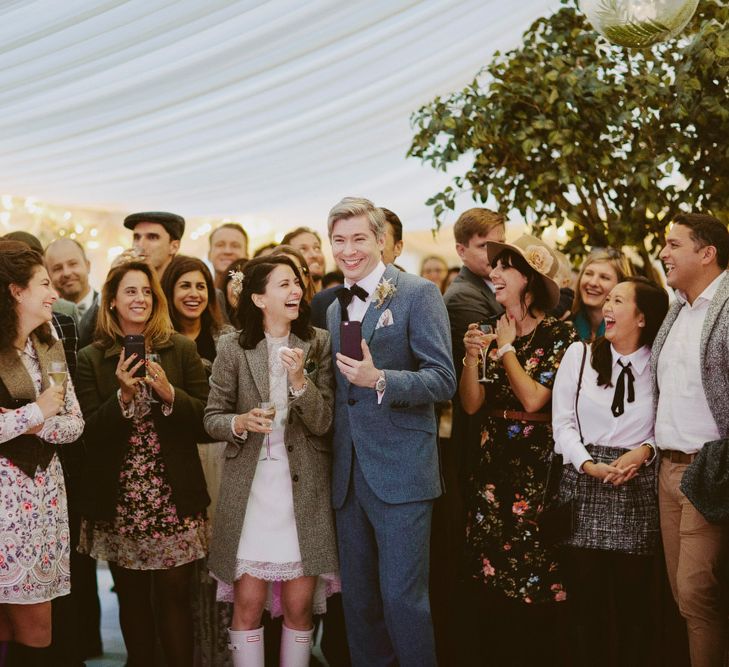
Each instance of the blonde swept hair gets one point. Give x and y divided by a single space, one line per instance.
352 207
620 263
158 328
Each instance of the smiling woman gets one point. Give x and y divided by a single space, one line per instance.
144 493
35 417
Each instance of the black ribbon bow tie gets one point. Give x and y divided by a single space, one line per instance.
345 296
618 406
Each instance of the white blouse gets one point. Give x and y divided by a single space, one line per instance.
599 427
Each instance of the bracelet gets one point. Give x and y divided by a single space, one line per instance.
296 393
652 456
465 365
504 349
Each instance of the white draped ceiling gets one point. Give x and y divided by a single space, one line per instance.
271 110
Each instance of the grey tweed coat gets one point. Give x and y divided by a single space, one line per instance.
714 354
238 383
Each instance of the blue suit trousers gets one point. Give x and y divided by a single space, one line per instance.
384 561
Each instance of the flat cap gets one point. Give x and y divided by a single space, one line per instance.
173 223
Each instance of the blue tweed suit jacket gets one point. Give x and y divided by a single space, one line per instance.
395 441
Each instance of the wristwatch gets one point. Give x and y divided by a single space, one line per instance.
380 384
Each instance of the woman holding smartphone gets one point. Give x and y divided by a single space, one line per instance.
37 413
274 527
145 495
605 435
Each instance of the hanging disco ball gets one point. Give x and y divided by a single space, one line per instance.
638 23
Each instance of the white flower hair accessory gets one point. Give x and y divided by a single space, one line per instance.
237 279
539 258
383 291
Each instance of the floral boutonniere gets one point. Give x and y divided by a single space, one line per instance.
383 291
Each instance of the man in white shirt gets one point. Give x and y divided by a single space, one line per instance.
690 365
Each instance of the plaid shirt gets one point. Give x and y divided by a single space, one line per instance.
66 329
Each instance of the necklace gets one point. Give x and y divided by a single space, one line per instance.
536 326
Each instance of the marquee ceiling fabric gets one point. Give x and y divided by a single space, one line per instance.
273 109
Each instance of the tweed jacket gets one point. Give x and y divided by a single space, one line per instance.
107 431
238 383
714 354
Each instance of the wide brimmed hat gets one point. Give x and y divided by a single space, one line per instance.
538 255
173 223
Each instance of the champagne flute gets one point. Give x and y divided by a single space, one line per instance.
154 357
269 412
57 373
486 329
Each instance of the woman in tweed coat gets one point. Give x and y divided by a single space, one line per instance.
276 352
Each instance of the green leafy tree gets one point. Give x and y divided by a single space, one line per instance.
570 129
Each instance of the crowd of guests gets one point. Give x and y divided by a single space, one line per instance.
259 450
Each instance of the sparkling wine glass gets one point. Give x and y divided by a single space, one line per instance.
488 330
269 412
57 373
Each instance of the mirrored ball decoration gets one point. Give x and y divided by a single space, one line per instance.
638 23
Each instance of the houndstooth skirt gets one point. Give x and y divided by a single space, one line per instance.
612 518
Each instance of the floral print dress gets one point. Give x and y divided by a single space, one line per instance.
504 549
146 533
35 543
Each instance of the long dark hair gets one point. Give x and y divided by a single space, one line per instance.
211 319
255 279
18 264
541 301
651 300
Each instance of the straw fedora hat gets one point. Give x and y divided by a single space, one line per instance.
543 259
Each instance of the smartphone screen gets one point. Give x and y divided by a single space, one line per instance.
350 336
134 344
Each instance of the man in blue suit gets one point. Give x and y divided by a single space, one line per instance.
386 472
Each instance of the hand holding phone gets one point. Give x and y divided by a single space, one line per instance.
134 344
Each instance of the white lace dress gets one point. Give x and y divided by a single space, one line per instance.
268 548
35 545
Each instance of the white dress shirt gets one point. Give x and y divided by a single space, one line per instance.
357 308
684 421
599 427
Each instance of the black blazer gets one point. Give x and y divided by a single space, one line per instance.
107 432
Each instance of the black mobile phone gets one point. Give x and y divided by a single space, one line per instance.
134 344
350 337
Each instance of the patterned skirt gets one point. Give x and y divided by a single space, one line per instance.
612 518
35 548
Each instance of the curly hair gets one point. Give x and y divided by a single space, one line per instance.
18 264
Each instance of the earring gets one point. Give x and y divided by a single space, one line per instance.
641 324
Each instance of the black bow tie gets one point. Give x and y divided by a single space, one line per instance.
345 296
618 406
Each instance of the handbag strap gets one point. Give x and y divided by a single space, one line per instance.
579 386
551 486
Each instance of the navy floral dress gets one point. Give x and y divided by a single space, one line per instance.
508 483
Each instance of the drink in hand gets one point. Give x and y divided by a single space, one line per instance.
57 373
268 409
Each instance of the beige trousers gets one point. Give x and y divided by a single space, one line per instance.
695 549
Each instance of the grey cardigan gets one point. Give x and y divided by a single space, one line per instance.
238 383
714 354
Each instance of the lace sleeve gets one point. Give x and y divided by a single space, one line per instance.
66 426
16 422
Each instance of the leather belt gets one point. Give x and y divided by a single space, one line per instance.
674 456
517 415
